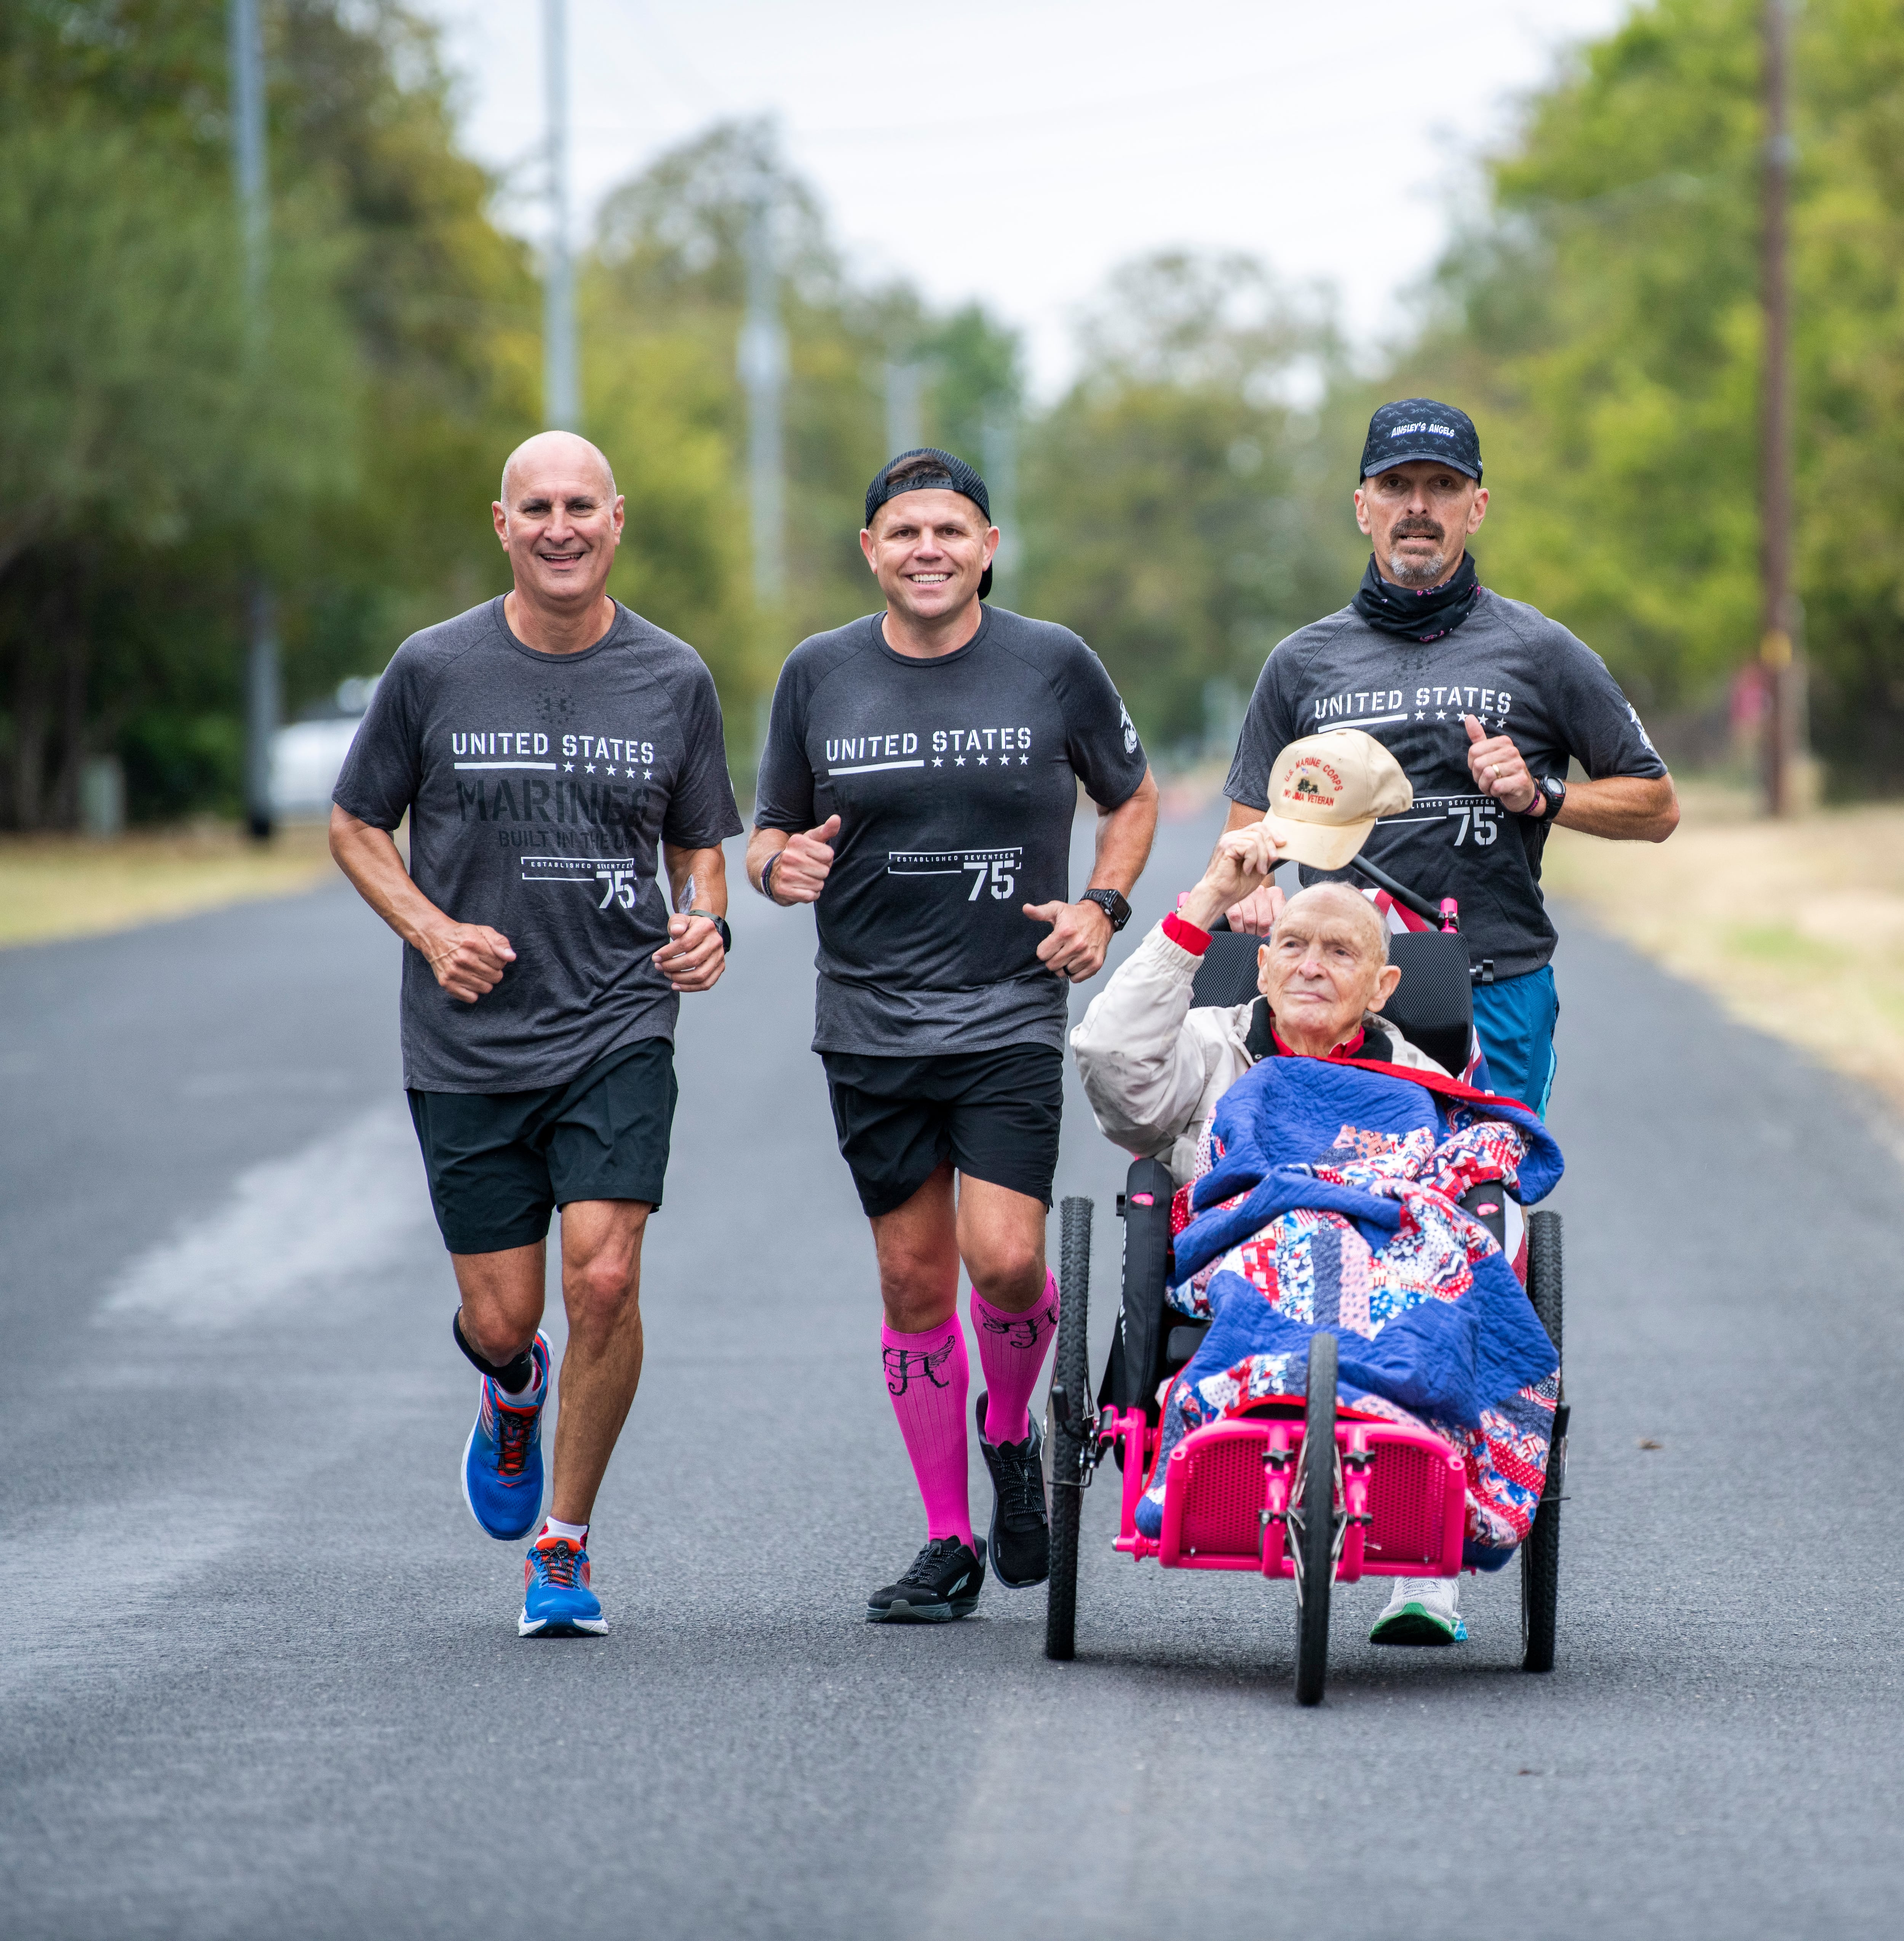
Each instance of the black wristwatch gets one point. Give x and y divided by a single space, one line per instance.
1552 793
1112 904
719 924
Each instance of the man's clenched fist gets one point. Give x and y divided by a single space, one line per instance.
694 956
468 958
800 873
1081 934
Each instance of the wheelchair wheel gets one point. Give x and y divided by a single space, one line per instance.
1068 1418
1540 1555
1316 1540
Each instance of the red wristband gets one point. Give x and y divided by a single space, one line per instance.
1185 935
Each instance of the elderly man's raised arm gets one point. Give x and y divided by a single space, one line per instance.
1145 1065
1143 1071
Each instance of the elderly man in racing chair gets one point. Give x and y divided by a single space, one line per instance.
1153 1069
1292 1233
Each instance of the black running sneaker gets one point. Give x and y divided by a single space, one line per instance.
1021 1537
943 1583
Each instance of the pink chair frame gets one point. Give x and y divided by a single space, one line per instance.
1404 1491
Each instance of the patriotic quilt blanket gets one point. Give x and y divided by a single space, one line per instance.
1327 1202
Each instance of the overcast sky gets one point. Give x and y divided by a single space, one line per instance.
1017 152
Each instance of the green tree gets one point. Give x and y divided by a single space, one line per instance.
1601 320
664 295
1176 516
151 444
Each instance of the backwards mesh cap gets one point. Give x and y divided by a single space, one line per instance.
945 474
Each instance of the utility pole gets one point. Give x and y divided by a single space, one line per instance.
762 361
905 391
246 57
998 439
1782 671
561 381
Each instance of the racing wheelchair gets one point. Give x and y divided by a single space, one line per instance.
1309 1491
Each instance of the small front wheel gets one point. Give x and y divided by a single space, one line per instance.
1316 1540
1067 1422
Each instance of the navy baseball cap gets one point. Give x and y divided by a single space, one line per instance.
940 473
1421 427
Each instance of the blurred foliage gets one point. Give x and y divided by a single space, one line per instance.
1177 514
1601 321
157 447
663 298
1184 505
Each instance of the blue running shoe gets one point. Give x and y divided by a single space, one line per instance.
557 1601
502 1461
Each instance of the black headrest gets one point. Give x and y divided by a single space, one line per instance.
1433 1006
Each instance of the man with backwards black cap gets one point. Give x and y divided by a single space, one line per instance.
1484 701
918 786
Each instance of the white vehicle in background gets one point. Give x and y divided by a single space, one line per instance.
305 757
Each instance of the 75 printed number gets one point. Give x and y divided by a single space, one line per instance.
1481 819
1000 877
621 889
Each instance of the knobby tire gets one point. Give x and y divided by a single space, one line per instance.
1318 1537
1071 1371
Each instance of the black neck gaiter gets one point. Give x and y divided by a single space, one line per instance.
1412 615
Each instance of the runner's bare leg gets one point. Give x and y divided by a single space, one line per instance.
998 1234
502 1300
601 1367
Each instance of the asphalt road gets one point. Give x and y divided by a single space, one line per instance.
259 1674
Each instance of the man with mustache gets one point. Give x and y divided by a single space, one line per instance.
1484 701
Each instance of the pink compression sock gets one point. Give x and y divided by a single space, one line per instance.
929 1379
1012 1349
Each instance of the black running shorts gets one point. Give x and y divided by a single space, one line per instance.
994 1114
499 1163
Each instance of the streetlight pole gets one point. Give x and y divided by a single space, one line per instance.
561 382
905 388
762 362
1778 609
999 448
246 57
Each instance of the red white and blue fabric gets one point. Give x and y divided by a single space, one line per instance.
1365 1240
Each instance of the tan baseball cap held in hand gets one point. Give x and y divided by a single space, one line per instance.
1326 792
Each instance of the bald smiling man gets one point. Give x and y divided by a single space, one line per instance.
548 746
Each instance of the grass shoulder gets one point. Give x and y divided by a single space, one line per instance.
58 886
1795 927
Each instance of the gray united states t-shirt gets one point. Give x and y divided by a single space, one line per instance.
539 788
955 780
1520 674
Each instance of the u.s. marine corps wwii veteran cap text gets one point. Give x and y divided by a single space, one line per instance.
1326 792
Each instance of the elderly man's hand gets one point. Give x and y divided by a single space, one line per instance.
1236 883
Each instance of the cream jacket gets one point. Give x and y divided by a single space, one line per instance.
1153 1069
